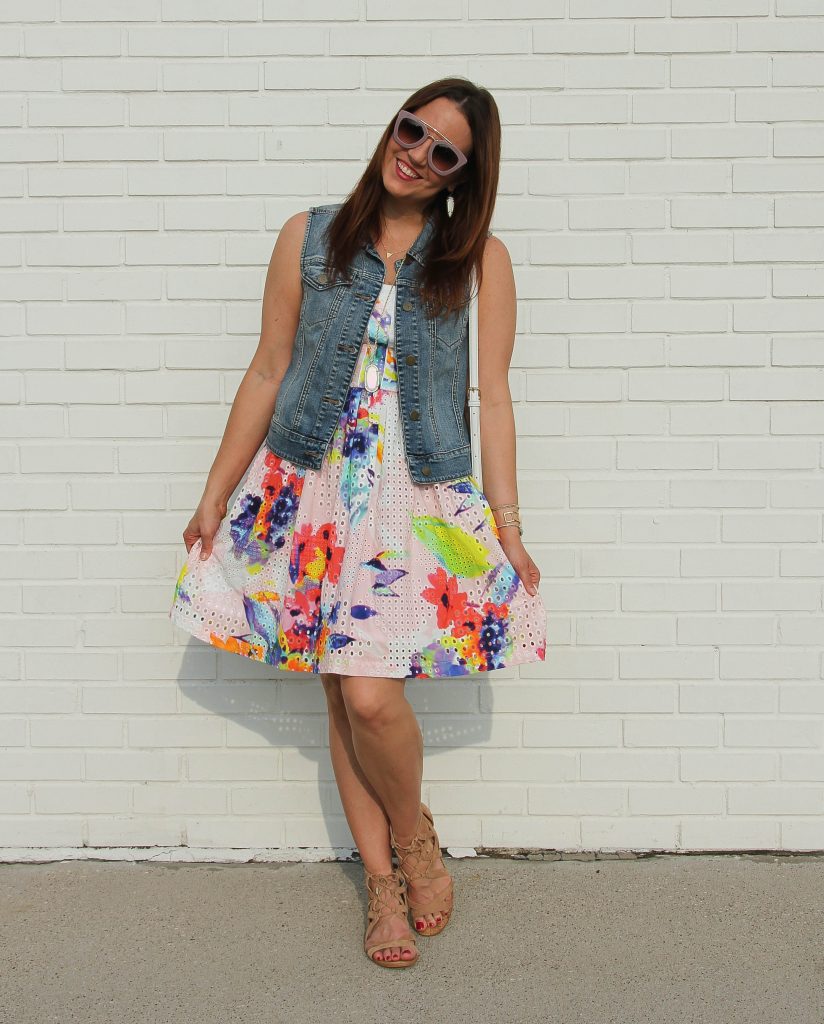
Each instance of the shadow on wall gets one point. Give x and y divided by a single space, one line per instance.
272 752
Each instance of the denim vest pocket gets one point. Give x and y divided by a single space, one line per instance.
448 338
451 330
322 294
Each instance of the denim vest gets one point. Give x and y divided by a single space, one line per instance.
431 357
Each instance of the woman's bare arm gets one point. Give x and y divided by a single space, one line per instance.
254 402
496 340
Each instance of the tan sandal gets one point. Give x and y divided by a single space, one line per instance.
385 891
417 860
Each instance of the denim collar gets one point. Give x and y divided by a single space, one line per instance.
418 247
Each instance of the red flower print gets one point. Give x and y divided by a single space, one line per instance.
468 623
446 597
500 611
315 554
301 613
332 551
307 602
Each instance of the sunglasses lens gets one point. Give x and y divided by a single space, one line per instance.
444 157
409 131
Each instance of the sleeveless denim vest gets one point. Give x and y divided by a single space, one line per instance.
431 358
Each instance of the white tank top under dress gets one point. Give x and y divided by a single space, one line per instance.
354 568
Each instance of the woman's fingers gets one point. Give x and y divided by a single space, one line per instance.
202 527
528 572
520 560
208 530
206 546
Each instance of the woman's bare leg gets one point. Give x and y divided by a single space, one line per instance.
388 744
364 809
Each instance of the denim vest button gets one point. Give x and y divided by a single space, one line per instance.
411 360
322 278
425 470
414 415
407 305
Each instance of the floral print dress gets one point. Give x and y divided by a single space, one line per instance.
354 568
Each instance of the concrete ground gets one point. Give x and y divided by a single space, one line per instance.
716 939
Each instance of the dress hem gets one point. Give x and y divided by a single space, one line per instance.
376 668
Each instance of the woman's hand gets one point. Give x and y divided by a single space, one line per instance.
204 523
522 563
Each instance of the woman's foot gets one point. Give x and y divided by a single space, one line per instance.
387 921
430 889
423 891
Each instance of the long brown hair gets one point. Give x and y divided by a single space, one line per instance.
457 242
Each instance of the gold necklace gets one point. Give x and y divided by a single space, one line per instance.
372 373
390 253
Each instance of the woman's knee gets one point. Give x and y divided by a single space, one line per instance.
372 702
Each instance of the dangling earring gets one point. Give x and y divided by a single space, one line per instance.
450 204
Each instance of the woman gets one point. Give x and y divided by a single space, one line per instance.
360 546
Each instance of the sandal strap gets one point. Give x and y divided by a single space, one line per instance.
383 891
373 947
441 905
417 859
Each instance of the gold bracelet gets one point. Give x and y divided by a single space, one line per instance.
511 516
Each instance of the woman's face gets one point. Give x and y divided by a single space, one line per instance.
448 122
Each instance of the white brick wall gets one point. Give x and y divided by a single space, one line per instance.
662 196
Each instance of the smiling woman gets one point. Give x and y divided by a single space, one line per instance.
405 172
360 547
410 131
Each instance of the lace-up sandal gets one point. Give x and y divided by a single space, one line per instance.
417 861
387 898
